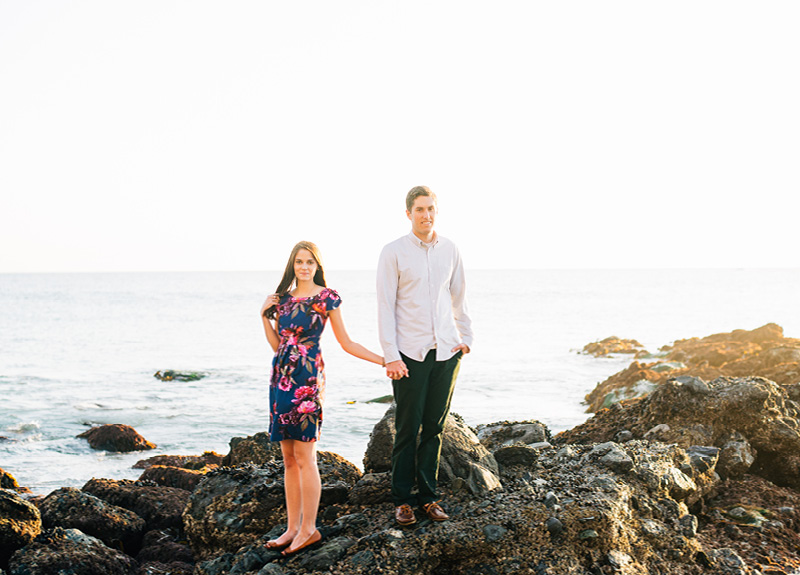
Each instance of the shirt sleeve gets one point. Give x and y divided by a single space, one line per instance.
333 300
387 281
458 294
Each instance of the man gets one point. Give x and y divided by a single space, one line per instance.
424 330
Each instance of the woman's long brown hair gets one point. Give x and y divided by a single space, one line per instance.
288 278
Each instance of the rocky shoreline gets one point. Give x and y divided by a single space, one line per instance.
700 474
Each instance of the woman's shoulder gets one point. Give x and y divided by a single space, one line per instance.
329 293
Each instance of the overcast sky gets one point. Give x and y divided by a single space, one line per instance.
192 135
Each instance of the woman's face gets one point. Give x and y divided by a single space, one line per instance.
305 266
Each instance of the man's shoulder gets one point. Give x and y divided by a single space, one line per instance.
394 245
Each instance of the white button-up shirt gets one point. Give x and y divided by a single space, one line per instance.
422 301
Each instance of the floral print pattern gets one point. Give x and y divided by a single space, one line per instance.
297 387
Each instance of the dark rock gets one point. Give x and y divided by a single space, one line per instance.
232 507
623 436
463 456
218 566
7 481
171 568
172 375
118 438
755 408
512 455
162 546
115 526
323 558
554 526
504 433
382 399
208 460
371 489
257 449
20 523
70 551
160 507
611 345
186 479
494 533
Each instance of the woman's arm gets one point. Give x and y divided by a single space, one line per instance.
351 347
272 335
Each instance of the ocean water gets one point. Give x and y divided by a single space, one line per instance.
81 349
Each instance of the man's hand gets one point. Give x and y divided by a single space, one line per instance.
396 369
461 347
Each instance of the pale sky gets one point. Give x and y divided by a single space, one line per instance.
195 135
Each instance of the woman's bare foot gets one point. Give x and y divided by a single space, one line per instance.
283 541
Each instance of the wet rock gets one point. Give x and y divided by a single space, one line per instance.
462 456
160 507
755 408
512 455
163 546
763 352
323 558
207 461
118 438
501 434
7 481
257 449
233 507
186 479
70 551
172 375
611 345
115 526
20 523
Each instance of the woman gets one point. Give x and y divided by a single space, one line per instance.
294 318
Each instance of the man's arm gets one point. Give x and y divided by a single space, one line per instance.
458 295
387 282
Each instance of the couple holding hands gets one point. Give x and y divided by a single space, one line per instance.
424 330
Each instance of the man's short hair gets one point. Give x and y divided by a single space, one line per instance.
416 192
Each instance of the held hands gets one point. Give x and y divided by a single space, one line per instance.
396 369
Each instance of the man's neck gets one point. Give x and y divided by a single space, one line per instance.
428 239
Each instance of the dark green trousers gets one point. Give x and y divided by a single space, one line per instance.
423 401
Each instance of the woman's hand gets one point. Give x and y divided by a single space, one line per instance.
272 300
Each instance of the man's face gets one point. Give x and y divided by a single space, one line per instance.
422 215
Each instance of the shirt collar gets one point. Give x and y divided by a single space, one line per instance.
419 243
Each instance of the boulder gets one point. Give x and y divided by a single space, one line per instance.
186 479
255 449
493 436
71 508
462 456
233 507
208 460
688 411
575 512
160 507
172 375
161 547
20 523
763 352
118 438
69 551
7 481
611 345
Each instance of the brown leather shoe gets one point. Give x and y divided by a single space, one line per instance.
404 515
434 512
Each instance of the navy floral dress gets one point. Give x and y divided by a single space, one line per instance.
297 386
